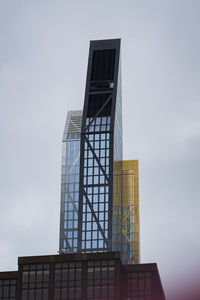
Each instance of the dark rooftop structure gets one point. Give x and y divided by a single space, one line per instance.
85 276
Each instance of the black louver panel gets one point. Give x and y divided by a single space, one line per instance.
103 62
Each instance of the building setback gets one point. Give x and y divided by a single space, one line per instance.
81 277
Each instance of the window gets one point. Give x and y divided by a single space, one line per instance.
35 281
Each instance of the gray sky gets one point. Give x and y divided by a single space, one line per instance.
43 61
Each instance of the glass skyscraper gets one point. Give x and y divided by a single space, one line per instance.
99 212
101 136
130 212
70 183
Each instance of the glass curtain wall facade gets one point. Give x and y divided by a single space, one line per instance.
130 213
117 170
100 139
99 191
70 183
126 211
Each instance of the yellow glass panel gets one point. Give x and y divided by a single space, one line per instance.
126 210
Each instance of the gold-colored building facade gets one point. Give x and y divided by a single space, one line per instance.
126 210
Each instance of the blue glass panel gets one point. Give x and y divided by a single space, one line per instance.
96 144
90 155
95 179
65 225
70 224
90 162
95 207
101 243
98 120
70 206
101 216
103 120
94 234
88 226
101 198
101 207
88 235
91 128
96 171
71 187
95 198
94 244
89 190
69 234
90 171
97 153
101 189
89 216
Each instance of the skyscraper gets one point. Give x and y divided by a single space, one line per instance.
70 182
130 250
101 144
98 211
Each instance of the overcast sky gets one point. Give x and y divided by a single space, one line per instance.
43 61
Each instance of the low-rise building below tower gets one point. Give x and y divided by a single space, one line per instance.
88 276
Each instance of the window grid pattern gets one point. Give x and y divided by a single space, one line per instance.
101 280
68 279
128 238
7 289
70 183
130 212
117 165
35 282
139 286
97 161
71 196
96 185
